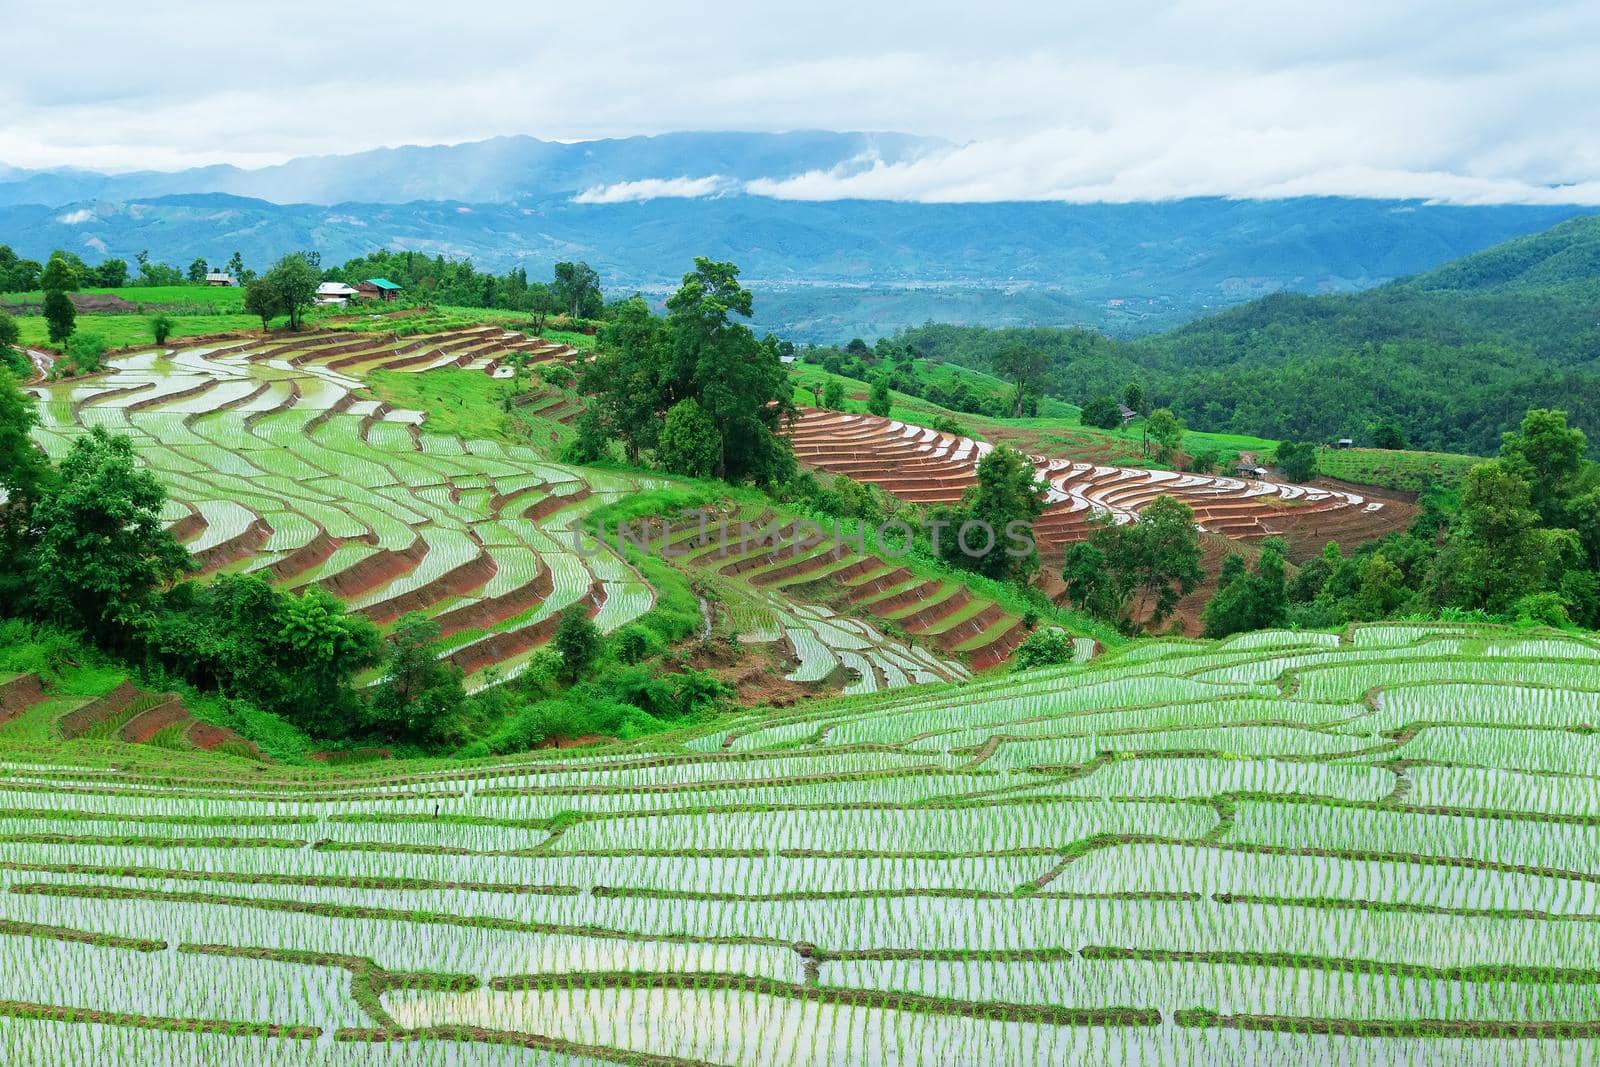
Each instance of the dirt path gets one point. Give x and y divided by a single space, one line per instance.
42 361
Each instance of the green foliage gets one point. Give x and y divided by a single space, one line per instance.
990 530
86 353
833 395
1389 435
1297 460
59 315
1102 412
576 290
1044 647
421 697
100 548
1024 367
1166 430
646 366
577 641
161 327
690 444
1135 571
878 400
61 274
1246 601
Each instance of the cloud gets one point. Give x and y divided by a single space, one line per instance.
1469 101
74 218
654 189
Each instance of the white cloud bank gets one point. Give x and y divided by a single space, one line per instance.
655 189
1468 101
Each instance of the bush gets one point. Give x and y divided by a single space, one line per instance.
1042 648
1102 412
1297 460
86 351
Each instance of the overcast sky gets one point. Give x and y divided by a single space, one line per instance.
1467 100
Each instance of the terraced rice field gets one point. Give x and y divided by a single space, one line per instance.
766 570
274 464
1375 848
925 466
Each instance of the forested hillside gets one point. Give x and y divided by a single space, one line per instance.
1453 355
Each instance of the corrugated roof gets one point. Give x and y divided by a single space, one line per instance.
382 283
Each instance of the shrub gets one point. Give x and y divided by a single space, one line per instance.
1042 648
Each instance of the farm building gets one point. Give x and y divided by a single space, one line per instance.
1345 442
377 289
221 278
1127 413
335 293
1250 470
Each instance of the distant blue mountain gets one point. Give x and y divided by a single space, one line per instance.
494 171
823 270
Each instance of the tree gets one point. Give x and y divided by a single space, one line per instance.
1046 646
1388 435
101 546
1166 429
60 317
1127 571
990 530
111 273
198 271
419 693
293 283
878 401
25 474
1103 412
1133 396
592 442
833 395
1549 455
1297 460
59 275
261 299
577 641
1496 552
689 442
1246 601
241 274
161 327
1024 367
11 358
577 290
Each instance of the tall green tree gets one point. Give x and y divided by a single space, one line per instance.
990 531
420 694
1549 454
293 281
25 474
60 275
1246 601
1166 429
101 547
878 400
198 270
577 641
833 395
1496 553
1297 460
1135 573
577 290
1024 367
689 444
60 317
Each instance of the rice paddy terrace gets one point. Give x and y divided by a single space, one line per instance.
926 466
275 464
1381 847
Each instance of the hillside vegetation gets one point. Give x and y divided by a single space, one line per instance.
1454 356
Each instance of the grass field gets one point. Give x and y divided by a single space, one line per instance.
1409 471
125 331
219 298
1376 847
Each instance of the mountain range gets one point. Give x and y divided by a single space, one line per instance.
640 209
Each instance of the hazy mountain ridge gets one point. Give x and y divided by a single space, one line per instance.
497 170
